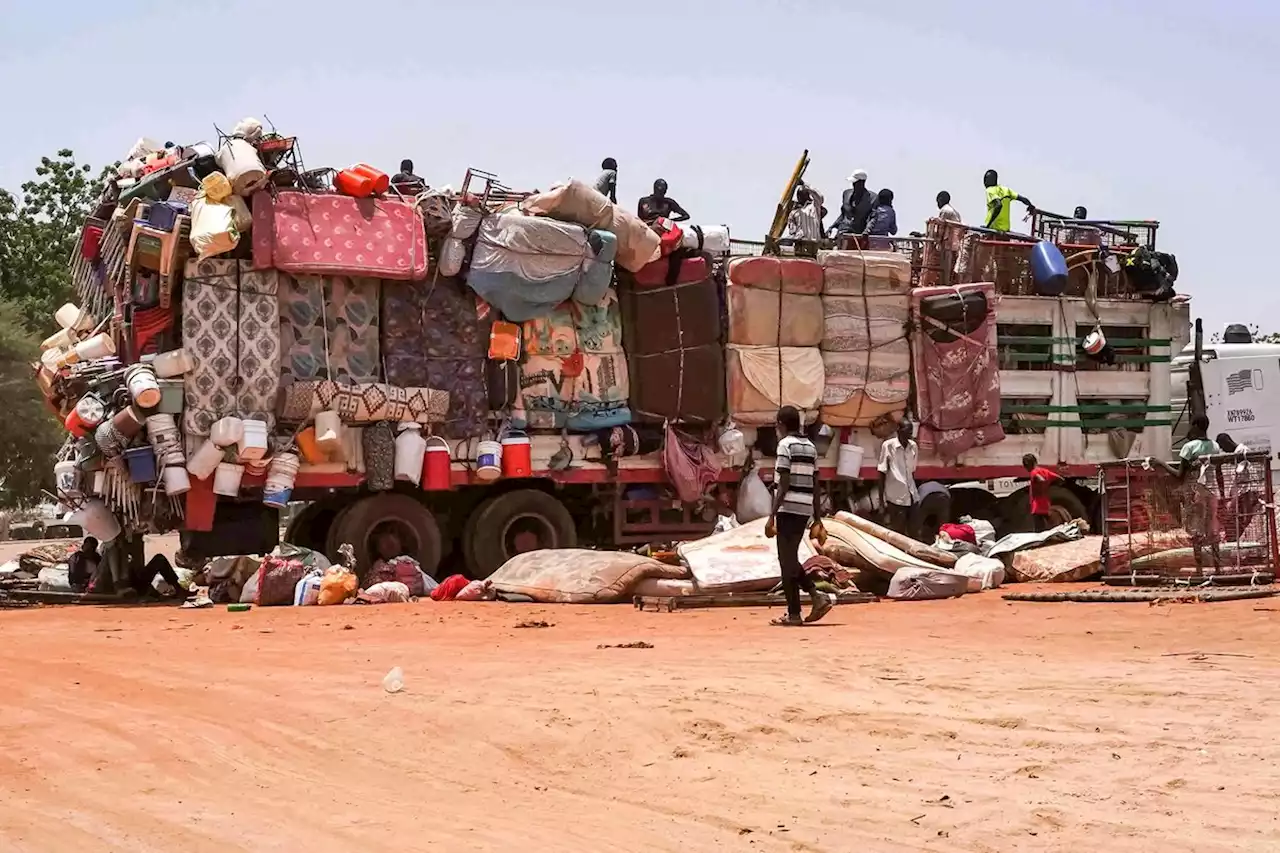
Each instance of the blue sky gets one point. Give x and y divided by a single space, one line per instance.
1139 110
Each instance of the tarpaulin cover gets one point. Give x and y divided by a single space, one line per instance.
526 265
575 201
231 327
576 576
917 584
742 559
329 327
753 374
957 374
327 233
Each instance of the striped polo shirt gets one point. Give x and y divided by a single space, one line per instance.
798 455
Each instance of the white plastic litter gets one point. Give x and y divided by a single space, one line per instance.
393 681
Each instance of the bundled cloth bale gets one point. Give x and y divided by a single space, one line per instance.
574 201
575 576
914 583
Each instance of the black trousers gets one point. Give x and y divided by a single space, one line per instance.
791 532
898 518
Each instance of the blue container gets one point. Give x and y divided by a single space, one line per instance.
1048 269
142 464
164 214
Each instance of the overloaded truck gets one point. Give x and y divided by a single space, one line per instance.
485 372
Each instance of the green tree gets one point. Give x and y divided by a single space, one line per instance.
39 228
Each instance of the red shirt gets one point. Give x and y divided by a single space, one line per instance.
1041 480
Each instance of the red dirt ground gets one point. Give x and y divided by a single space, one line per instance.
970 725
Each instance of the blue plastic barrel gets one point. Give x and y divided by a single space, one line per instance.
1048 269
142 464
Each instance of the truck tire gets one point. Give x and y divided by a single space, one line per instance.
310 528
511 524
1065 505
360 523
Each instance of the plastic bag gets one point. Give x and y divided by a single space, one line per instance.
754 500
216 227
337 586
387 592
307 592
475 591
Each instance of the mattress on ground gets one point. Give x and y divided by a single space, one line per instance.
329 327
658 273
1068 562
583 392
312 233
526 265
437 319
860 388
849 273
764 318
682 386
660 319
792 275
579 576
761 380
739 560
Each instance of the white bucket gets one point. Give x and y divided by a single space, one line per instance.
411 448
71 317
280 478
328 432
100 345
97 521
61 339
173 363
489 460
143 387
176 480
1095 342
99 482
227 431
253 440
226 480
849 461
66 477
205 460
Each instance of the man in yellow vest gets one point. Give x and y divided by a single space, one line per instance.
999 200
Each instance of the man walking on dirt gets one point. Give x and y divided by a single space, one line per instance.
795 502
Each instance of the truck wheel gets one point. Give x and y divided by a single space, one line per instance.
362 523
513 523
310 528
1065 505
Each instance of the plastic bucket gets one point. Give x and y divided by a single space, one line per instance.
226 479
253 440
1095 342
143 387
517 456
100 345
489 460
127 422
173 363
849 461
280 478
175 479
204 462
437 464
75 424
227 431
91 411
306 441
328 432
97 521
353 183
142 464
71 317
380 180
60 340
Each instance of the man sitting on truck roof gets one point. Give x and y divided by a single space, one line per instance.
660 205
406 182
855 206
883 221
999 200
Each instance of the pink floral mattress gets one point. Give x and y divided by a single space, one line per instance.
331 234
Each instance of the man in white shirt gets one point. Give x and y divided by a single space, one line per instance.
898 459
946 212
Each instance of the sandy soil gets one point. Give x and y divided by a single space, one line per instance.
974 725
